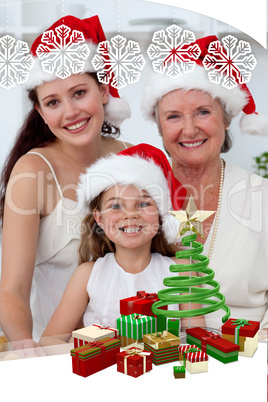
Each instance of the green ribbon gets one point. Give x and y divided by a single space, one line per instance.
239 322
189 351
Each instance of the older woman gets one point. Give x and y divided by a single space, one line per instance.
193 116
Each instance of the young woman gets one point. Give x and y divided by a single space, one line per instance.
73 122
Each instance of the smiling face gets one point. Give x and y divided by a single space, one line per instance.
192 125
128 216
73 107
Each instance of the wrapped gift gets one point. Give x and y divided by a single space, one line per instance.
173 326
140 304
243 333
134 326
95 356
92 333
184 348
215 346
134 362
162 356
161 323
179 371
195 361
161 340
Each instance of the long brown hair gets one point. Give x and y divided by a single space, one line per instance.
95 244
35 133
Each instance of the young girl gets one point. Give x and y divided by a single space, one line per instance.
72 123
127 231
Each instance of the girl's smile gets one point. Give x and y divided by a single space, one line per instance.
128 216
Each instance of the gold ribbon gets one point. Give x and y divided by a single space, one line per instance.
161 335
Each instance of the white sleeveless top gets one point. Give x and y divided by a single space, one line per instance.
109 283
56 257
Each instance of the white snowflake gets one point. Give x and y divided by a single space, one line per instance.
119 63
174 52
15 62
230 63
63 53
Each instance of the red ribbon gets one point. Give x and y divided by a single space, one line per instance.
144 295
205 338
95 344
106 327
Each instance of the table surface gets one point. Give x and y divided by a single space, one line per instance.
50 378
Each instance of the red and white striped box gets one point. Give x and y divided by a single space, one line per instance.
184 348
92 333
195 360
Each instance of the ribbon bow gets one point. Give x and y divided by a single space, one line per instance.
240 322
95 344
192 350
144 295
104 327
162 334
137 317
205 338
210 335
136 351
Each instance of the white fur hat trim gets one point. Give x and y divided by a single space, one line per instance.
159 85
124 170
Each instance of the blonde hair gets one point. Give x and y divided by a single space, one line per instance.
95 244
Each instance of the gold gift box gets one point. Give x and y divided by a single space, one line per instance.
161 340
231 338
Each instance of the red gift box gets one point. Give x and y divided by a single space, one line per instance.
246 328
134 362
139 304
209 338
215 346
95 356
243 333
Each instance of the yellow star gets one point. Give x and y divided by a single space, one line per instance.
191 219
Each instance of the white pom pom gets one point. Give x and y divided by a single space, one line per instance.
116 110
254 124
170 226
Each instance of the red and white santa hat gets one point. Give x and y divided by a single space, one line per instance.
234 100
143 166
116 109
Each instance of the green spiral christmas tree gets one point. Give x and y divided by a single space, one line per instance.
187 288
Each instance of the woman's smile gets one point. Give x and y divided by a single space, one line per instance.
77 126
192 144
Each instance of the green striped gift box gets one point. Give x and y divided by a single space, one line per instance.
135 325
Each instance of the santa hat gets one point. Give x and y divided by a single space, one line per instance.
143 166
235 100
116 109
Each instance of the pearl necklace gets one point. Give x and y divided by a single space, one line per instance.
217 217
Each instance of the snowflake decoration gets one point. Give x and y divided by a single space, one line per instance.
15 61
230 63
119 62
174 52
63 52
